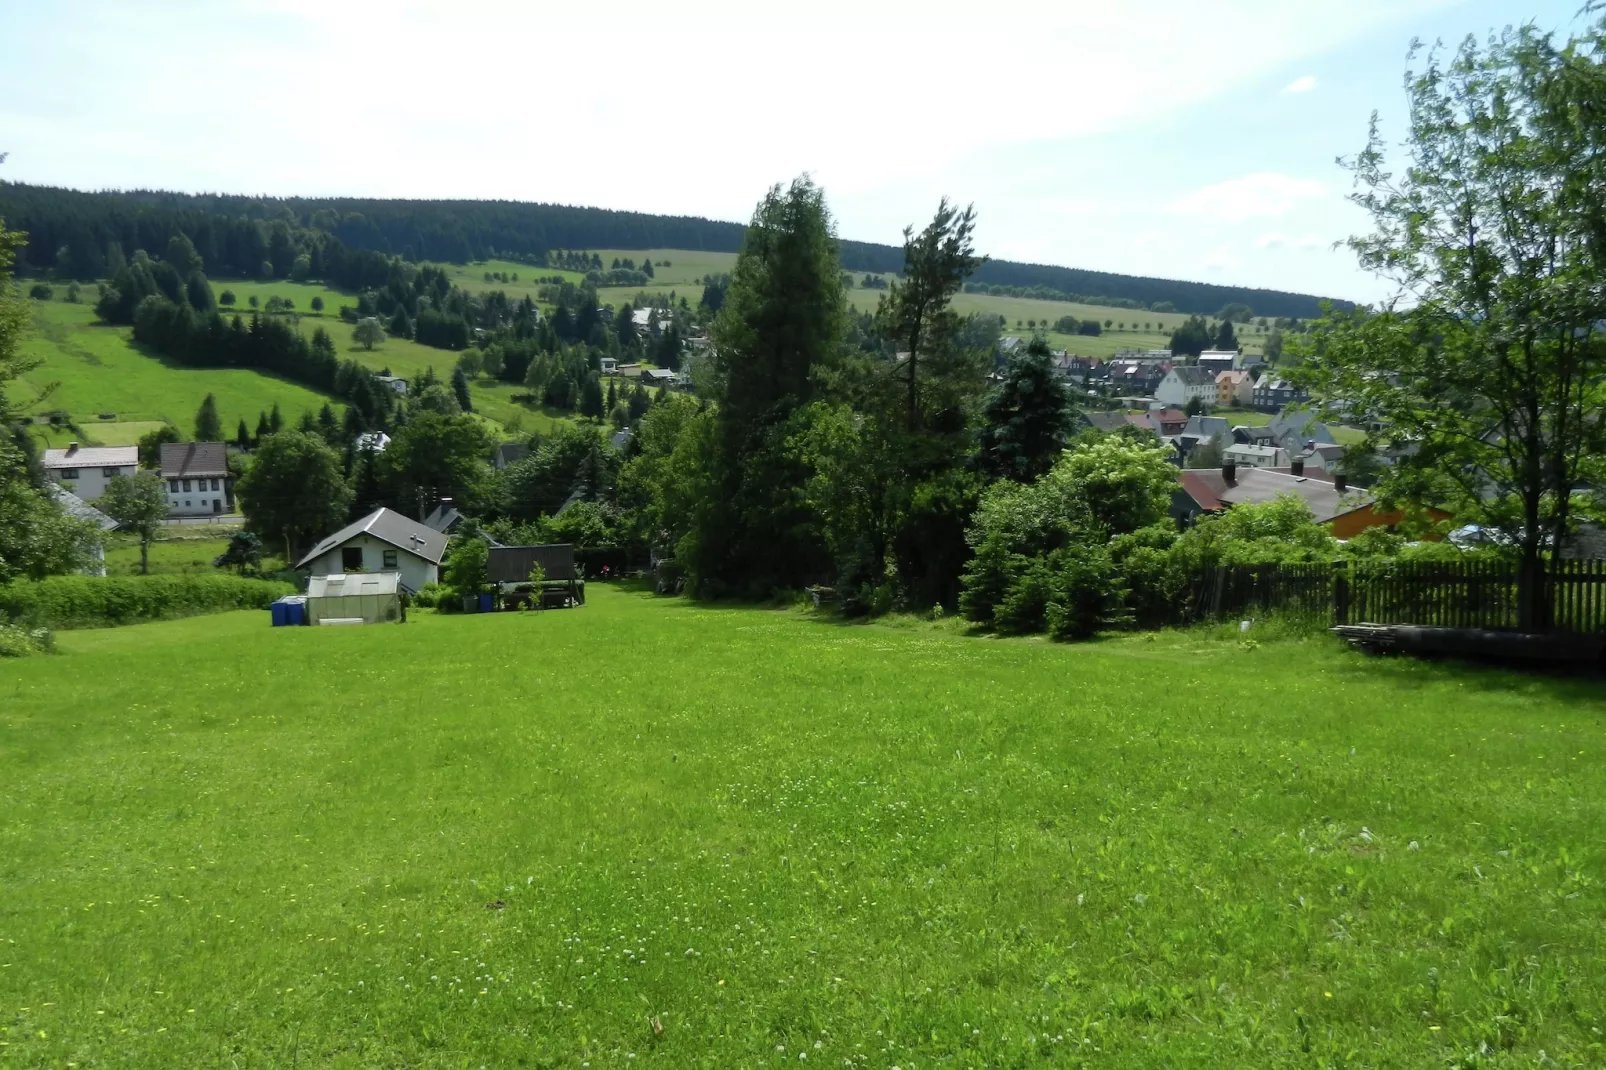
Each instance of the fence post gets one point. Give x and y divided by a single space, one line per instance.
1340 592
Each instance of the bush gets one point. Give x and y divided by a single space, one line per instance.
40 292
19 641
429 595
101 601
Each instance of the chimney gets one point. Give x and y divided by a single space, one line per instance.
72 448
1229 472
1340 482
1297 466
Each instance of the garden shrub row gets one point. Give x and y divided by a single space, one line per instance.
101 601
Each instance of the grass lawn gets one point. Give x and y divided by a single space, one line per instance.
451 844
167 557
99 369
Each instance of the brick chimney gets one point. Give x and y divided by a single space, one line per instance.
1297 466
72 448
1229 472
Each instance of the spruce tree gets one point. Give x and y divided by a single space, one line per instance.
1027 417
242 436
275 419
208 428
460 389
264 429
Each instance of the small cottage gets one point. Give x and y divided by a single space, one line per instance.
382 541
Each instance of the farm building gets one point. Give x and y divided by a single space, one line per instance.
368 597
382 541
510 566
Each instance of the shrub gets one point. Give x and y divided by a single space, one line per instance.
100 601
18 641
429 595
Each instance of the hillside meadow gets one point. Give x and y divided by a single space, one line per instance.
742 837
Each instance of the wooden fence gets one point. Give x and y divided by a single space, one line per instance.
1475 594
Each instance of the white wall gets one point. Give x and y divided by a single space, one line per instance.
90 483
1174 393
197 501
415 571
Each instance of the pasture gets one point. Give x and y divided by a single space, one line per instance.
96 369
759 839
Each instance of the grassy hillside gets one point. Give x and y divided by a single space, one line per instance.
788 843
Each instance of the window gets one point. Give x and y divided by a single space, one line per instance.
215 485
66 473
217 506
389 557
187 483
186 503
172 486
351 559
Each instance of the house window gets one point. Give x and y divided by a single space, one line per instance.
186 503
172 486
390 558
187 488
66 473
215 485
107 473
351 559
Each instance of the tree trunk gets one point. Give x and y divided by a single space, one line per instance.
144 557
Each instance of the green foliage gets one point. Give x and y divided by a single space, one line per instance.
21 640
100 601
437 455
1027 418
208 427
467 563
368 332
139 504
1276 532
294 491
244 551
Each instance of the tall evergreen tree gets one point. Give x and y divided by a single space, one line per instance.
208 427
275 420
264 428
460 389
242 435
782 323
1226 337
1027 418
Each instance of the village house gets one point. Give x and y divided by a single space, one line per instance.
1328 496
1255 456
395 383
382 541
197 478
1220 360
1272 393
1136 376
85 470
1184 384
79 509
1235 389
610 365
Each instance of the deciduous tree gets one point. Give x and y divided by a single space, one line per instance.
139 505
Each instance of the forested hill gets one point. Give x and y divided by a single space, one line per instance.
72 231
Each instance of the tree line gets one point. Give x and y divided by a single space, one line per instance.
77 234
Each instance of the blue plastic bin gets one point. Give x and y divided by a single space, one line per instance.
280 613
487 603
295 611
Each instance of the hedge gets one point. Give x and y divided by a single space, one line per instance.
100 601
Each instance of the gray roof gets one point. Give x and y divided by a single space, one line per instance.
511 453
512 564
77 456
443 518
79 509
1194 376
180 460
386 525
1207 426
1105 421
1253 485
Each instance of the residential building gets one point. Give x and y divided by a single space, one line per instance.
1184 385
1255 456
197 478
382 541
1272 393
1136 376
1329 497
377 441
85 470
659 377
444 518
1104 421
79 509
610 365
394 382
1235 389
1220 360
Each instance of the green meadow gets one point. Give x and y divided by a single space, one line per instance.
97 369
745 837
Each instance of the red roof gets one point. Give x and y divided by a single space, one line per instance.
1204 486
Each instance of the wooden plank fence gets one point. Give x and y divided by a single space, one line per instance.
1473 594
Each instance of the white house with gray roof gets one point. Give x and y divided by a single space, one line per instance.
382 541
85 470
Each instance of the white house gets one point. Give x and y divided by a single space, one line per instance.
1255 456
377 441
382 541
197 477
1221 360
1184 384
85 470
610 365
395 382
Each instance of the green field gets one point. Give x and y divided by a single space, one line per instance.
462 842
98 369
167 557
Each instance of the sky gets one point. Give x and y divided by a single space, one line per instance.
1169 138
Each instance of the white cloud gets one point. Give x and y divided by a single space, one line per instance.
1265 194
1301 85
